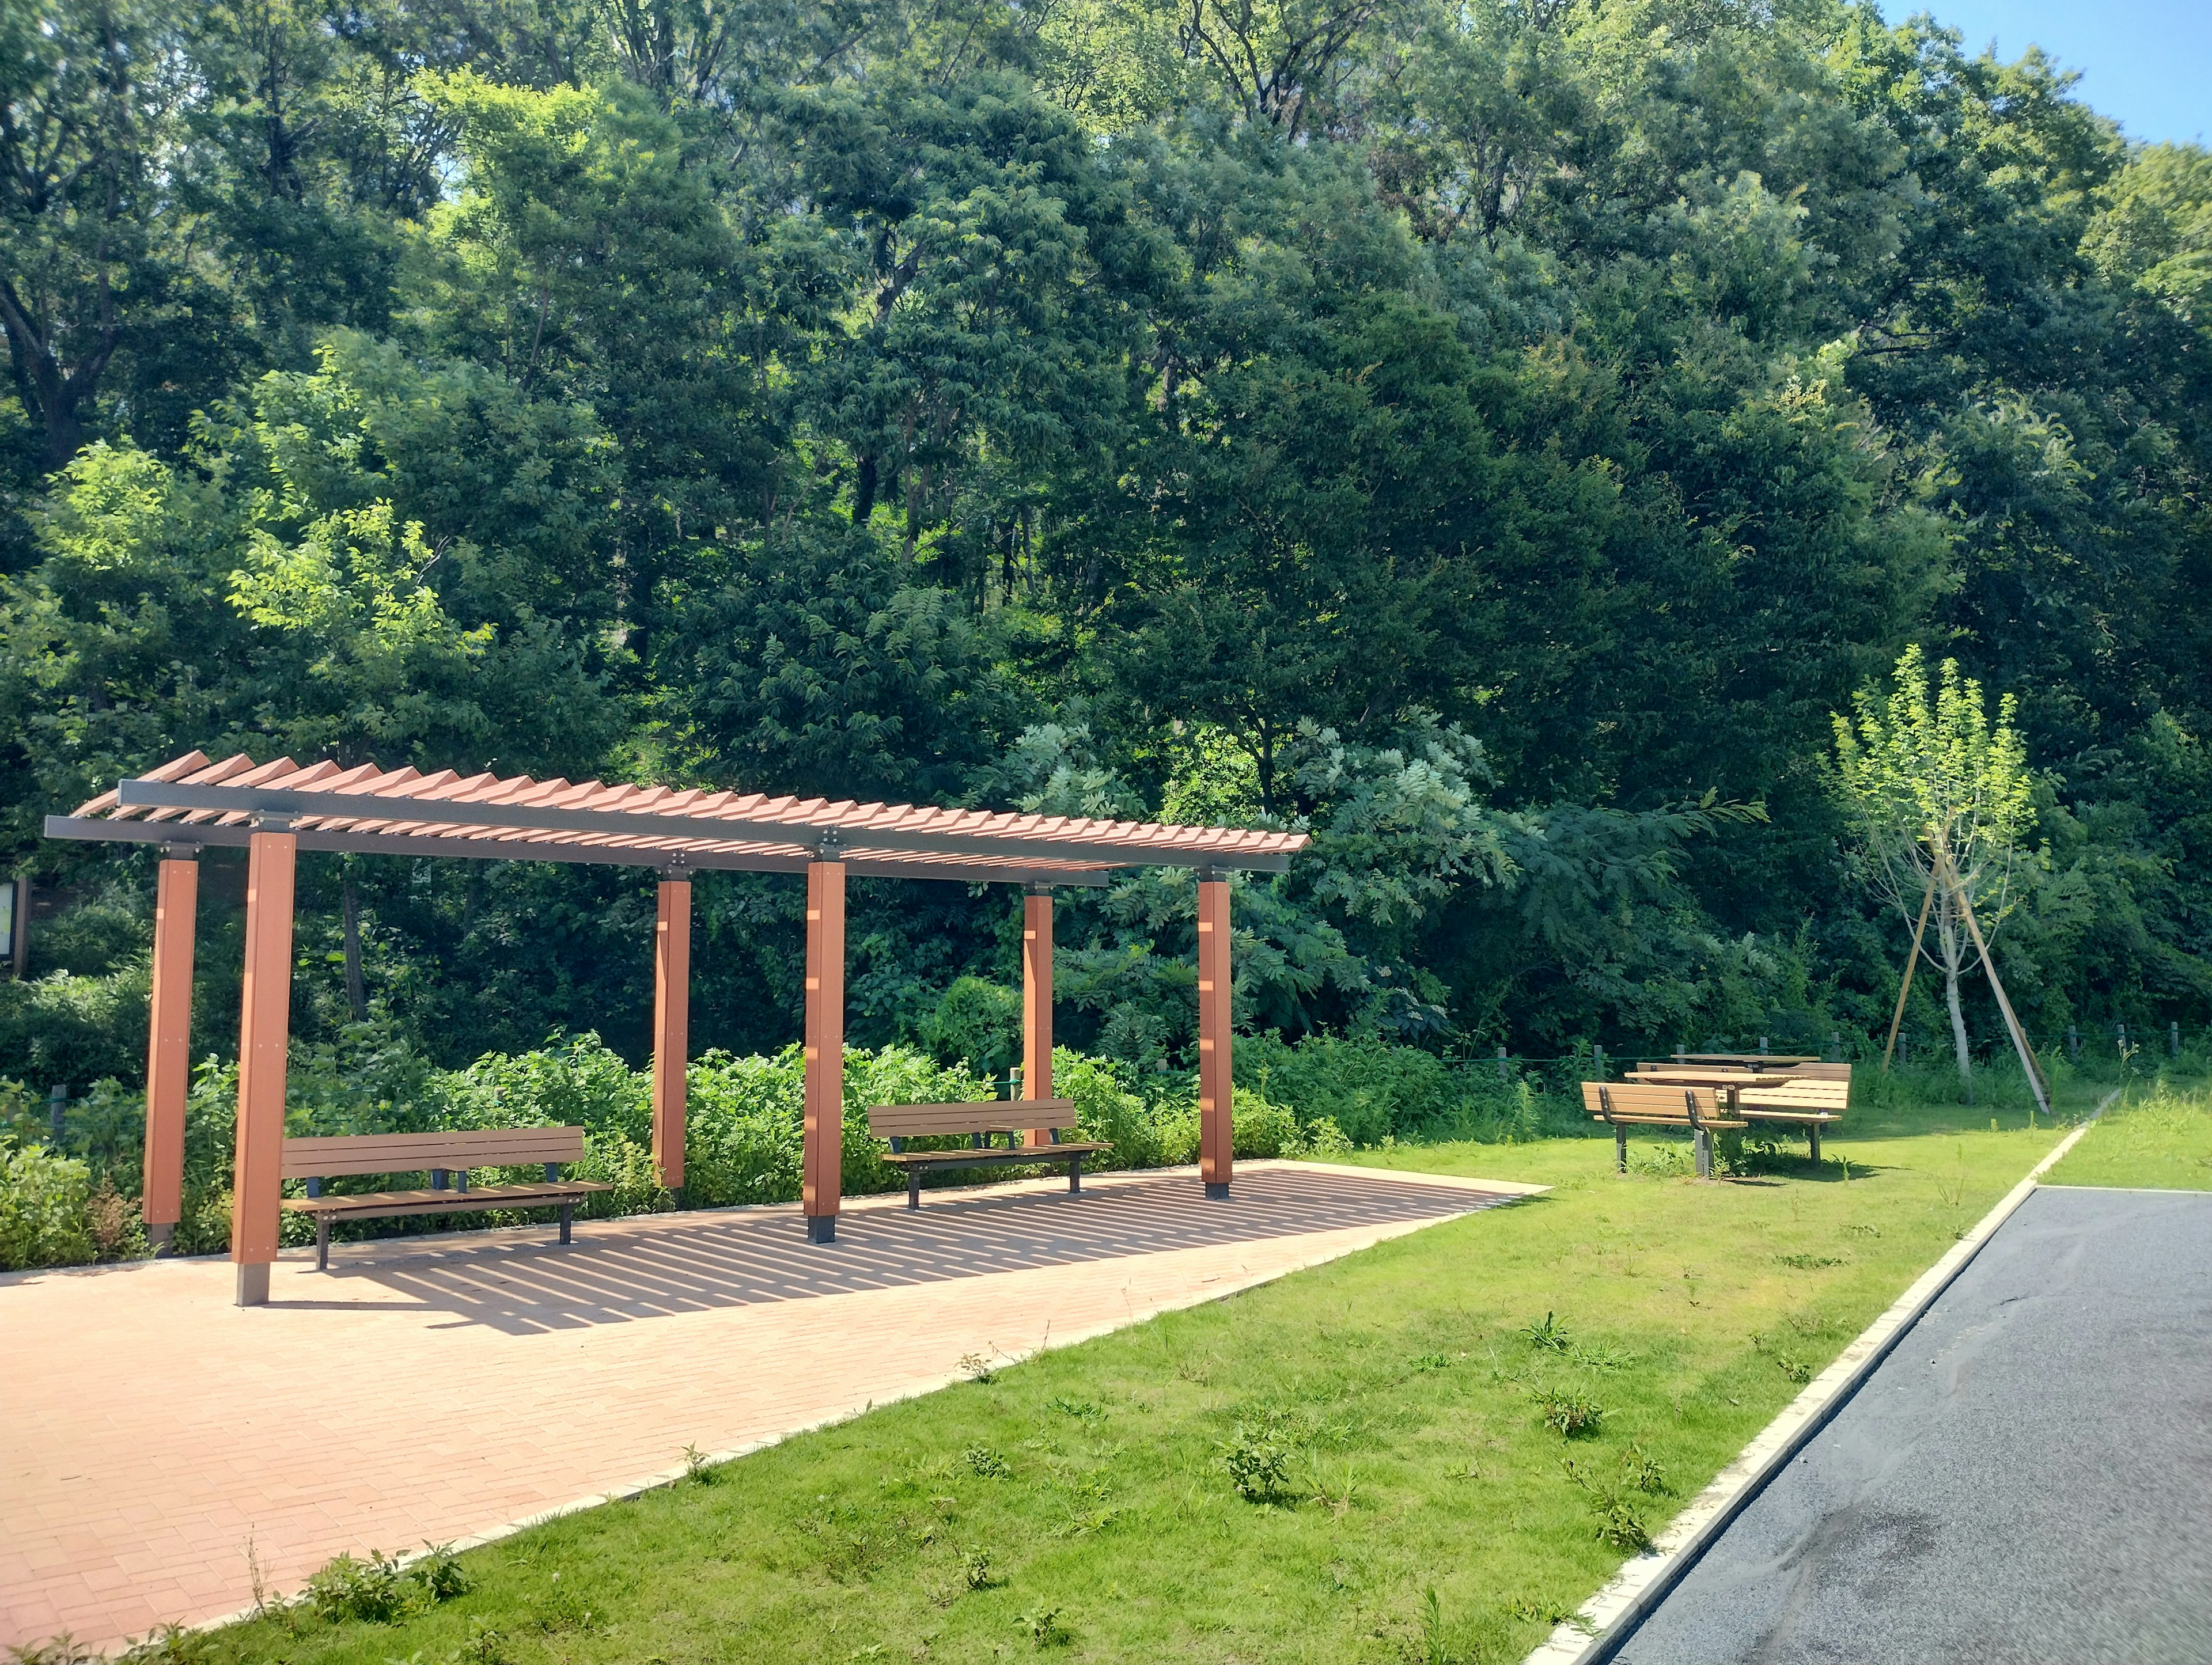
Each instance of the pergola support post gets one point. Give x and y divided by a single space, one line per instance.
264 1033
822 1152
671 1026
169 1044
1036 1000
1216 1132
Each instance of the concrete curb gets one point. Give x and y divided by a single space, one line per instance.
1606 1620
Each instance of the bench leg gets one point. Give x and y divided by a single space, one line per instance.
1815 1131
1619 1149
1075 1176
567 1219
1703 1141
322 1243
914 1189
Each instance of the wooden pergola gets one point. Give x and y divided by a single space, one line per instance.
277 809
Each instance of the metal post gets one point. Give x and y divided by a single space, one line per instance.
1504 1073
1217 1137
2173 1039
2073 1044
671 1026
264 1034
1762 1046
823 1147
57 1109
1835 1047
2120 1038
1597 1061
1036 1000
169 1044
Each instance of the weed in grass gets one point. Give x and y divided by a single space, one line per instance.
1549 1336
1952 1189
1569 1414
1788 1363
1044 1628
1432 1630
563 1608
374 1591
485 1645
440 1574
697 1468
1083 1410
1863 1230
1617 1522
1807 1262
989 1462
976 1368
1337 1497
1545 1613
1258 1464
1619 1525
1660 1162
1432 1361
1642 1471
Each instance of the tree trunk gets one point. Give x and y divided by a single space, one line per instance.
357 990
1946 937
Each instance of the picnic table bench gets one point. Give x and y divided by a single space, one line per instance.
1809 1094
441 1156
1626 1104
981 1123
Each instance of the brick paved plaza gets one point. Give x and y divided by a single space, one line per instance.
443 1388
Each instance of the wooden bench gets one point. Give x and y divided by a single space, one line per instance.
441 1156
1626 1104
981 1122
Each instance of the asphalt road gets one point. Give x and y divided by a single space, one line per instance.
2025 1480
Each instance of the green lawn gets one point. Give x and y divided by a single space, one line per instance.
2158 1135
1390 1411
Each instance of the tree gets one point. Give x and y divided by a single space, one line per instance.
88 97
1939 797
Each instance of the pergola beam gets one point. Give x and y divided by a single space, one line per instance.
1036 1000
169 1048
824 838
216 835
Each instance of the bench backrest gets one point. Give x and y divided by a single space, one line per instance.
409 1153
991 1115
1819 1072
1649 1098
1799 1095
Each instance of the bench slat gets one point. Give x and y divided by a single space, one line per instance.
407 1154
970 1157
383 1204
995 1115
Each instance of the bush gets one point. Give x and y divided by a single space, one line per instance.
1259 1129
43 1218
73 1029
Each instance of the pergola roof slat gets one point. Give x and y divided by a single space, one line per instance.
401 812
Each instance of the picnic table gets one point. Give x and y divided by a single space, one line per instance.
1788 1093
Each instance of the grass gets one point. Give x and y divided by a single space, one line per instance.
1430 1452
2158 1136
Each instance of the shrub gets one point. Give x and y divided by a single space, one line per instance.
1259 1128
1258 1464
43 1198
374 1591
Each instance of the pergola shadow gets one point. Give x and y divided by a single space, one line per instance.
677 1264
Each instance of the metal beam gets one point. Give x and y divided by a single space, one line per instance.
830 839
97 830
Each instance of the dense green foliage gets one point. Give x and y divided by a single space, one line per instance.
1496 436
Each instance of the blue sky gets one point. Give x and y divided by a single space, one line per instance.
2147 64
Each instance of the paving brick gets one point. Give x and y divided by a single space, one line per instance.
445 1388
